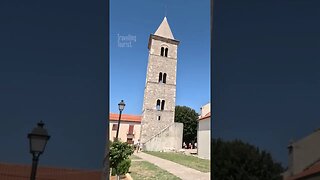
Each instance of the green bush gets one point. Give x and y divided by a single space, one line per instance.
119 157
123 167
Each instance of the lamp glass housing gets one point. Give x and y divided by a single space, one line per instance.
37 143
121 105
38 139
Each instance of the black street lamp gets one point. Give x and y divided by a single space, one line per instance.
38 139
121 107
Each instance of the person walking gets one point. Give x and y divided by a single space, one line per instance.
138 145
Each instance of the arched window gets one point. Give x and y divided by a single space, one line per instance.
160 77
162 51
164 78
158 105
166 53
162 105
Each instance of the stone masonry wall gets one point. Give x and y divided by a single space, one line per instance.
152 125
170 138
155 90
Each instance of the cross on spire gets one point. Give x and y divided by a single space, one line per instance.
165 10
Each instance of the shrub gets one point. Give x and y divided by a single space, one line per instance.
123 167
119 157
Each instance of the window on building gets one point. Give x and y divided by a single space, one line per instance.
160 77
114 127
162 105
158 105
130 131
166 52
162 51
164 78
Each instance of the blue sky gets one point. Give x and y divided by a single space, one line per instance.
190 24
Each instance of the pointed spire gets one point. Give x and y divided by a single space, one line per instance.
164 30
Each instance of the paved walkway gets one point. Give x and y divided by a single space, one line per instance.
178 170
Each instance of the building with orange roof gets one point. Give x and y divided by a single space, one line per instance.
129 130
204 132
304 158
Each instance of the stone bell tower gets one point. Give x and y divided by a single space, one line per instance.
160 89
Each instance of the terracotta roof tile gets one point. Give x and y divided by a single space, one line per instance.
125 117
205 116
22 172
315 169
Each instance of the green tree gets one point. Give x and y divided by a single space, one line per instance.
188 117
236 160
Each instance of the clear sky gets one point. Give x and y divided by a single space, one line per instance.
266 78
190 24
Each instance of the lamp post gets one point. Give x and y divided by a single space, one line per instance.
121 107
38 139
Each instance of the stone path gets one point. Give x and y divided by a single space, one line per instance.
178 170
137 160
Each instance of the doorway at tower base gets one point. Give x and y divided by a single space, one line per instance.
170 139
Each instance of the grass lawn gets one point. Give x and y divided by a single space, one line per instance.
202 165
143 170
132 157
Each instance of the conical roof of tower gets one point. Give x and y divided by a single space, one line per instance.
164 29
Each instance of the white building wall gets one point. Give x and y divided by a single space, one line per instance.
204 138
204 110
305 152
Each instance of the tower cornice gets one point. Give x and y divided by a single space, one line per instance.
167 40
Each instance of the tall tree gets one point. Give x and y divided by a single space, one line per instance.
236 160
188 117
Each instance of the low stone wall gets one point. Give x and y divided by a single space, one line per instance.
168 140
